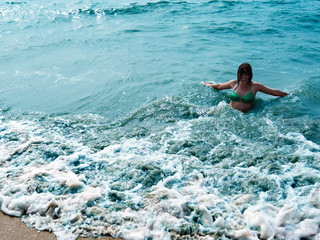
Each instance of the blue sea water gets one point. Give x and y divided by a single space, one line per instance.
106 129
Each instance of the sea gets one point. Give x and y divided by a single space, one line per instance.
106 128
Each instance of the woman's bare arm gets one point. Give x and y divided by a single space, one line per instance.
220 86
270 91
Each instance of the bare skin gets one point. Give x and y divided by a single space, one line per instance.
243 89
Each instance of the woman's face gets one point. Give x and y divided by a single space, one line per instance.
244 77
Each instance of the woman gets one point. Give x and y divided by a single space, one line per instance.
244 90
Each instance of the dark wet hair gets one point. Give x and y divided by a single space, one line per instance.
244 68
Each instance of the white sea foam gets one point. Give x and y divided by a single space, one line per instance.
69 197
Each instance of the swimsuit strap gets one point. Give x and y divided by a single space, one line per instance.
236 87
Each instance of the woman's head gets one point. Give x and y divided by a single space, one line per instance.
244 69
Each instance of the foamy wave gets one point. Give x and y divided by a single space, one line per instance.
157 186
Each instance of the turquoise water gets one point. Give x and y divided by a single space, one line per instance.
106 129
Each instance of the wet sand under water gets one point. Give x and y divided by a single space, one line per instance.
12 228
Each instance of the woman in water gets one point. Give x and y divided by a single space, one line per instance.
244 90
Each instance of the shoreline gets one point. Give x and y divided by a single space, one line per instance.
12 228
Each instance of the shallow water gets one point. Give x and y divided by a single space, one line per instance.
105 127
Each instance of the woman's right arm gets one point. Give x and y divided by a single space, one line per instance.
220 86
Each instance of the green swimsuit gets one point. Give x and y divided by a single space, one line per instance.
248 98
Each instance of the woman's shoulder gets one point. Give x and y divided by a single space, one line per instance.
233 83
256 85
